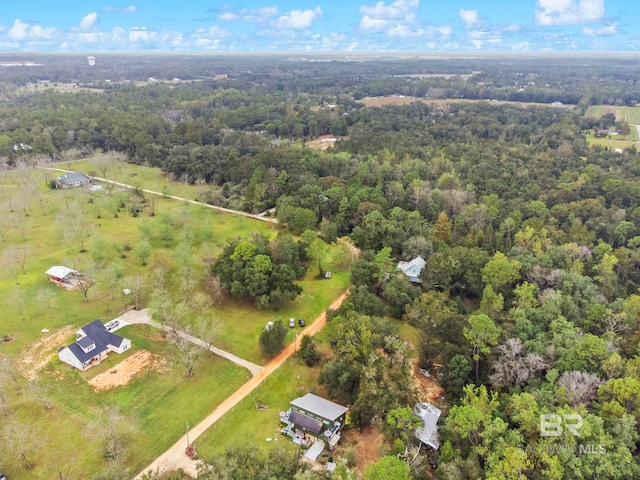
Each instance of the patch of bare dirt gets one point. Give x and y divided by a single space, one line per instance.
367 442
38 355
126 370
323 142
429 390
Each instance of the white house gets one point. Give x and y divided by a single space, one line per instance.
93 344
413 268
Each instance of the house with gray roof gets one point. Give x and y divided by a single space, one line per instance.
427 433
312 420
93 344
72 179
413 268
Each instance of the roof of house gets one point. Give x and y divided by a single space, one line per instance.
428 432
72 177
59 271
319 406
418 262
94 332
309 424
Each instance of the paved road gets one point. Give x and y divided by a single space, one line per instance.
175 457
259 216
143 316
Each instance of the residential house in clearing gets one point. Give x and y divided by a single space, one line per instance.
427 433
63 276
93 344
72 179
413 268
311 421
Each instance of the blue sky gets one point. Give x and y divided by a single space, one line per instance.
320 26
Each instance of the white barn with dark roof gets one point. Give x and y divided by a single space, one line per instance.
93 344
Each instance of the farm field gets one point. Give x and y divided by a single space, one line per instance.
440 103
630 115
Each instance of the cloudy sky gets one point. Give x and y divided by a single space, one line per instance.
320 25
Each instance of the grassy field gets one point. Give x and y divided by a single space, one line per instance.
32 222
248 425
630 115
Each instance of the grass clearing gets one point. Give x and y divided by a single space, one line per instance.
248 425
631 115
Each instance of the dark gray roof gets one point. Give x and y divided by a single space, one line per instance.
85 342
307 423
319 406
72 177
94 332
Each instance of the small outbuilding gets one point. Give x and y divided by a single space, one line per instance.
72 179
63 276
93 344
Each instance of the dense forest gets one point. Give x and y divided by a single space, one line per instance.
528 303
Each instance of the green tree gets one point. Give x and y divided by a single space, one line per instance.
387 468
500 272
308 351
482 333
272 338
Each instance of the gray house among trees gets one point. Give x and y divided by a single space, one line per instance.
312 420
72 179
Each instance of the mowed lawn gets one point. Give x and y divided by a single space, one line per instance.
246 425
158 403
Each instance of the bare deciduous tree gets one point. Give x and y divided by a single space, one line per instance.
514 366
581 387
19 441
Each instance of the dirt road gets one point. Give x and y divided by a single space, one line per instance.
175 457
259 216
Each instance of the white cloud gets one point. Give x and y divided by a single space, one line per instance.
352 46
398 10
470 18
112 9
88 21
297 19
569 12
604 31
254 15
24 31
211 33
522 46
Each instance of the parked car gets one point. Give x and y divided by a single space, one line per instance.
301 322
292 322
109 326
3 477
266 327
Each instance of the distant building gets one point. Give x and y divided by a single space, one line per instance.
413 268
72 179
91 60
427 433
